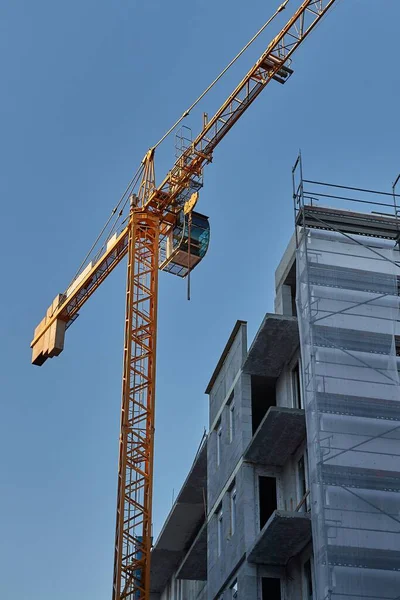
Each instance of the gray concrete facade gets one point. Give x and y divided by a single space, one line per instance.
253 542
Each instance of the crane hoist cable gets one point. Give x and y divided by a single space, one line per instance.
238 55
125 196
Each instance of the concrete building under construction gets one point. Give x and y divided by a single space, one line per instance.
294 494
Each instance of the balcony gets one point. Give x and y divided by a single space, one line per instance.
284 535
273 346
278 436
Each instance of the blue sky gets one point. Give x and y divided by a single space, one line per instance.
88 86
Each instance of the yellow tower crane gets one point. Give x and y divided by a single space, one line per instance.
162 232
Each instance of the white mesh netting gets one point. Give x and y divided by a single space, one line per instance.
348 311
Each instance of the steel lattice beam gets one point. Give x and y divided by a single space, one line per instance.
134 498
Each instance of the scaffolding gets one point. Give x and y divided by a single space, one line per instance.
348 268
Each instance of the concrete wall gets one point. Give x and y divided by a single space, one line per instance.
247 580
231 564
221 567
231 450
231 385
231 471
283 389
228 371
293 585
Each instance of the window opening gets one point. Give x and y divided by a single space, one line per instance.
233 509
231 406
267 498
271 588
219 443
293 294
263 396
219 531
296 387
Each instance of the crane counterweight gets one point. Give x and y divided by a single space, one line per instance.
51 335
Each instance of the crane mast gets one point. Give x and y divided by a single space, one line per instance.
153 216
135 472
